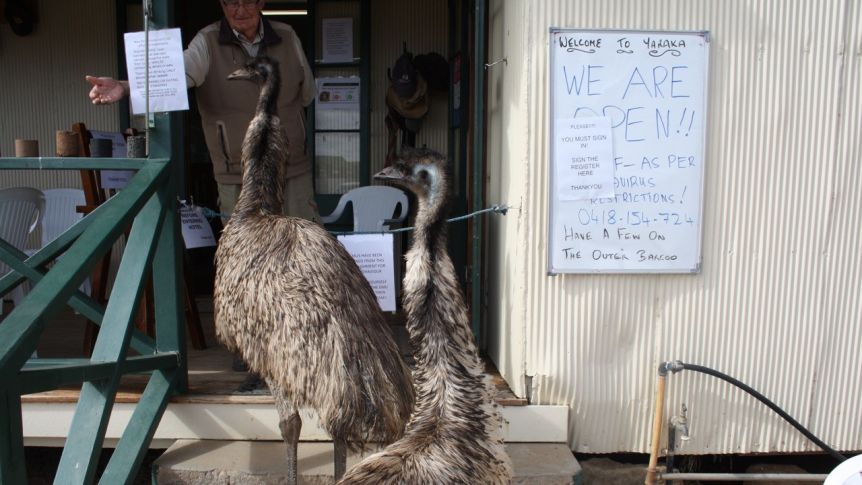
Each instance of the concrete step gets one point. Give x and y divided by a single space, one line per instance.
211 462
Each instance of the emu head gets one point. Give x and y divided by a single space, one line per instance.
422 171
259 69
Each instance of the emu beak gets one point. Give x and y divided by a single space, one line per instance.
238 74
389 173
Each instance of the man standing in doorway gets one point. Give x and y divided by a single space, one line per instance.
226 108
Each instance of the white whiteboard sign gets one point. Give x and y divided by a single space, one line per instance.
651 88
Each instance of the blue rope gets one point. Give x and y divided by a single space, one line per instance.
211 214
496 208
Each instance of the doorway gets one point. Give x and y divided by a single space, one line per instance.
348 148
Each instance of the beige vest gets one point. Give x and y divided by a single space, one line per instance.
227 107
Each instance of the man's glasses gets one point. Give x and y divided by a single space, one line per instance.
236 4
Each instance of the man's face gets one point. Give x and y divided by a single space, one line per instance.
242 15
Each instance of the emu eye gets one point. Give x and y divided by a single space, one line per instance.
423 175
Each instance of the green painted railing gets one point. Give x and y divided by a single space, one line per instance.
149 204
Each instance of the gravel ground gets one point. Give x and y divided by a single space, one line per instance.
617 469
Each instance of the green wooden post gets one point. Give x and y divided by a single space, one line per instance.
129 453
478 299
168 285
12 468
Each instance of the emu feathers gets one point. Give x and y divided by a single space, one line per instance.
290 299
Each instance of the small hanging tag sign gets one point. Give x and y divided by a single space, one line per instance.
197 232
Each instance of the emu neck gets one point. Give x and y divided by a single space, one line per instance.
430 224
263 157
447 366
267 102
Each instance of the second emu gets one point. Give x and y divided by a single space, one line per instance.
291 300
454 435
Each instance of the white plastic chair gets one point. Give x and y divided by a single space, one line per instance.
374 208
21 210
60 214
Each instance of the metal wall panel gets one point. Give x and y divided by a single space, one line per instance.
777 303
70 40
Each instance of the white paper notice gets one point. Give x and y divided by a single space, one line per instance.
197 232
373 254
584 158
338 93
338 40
167 71
114 179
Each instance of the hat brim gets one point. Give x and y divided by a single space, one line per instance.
414 107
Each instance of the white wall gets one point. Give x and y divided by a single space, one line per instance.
507 183
777 302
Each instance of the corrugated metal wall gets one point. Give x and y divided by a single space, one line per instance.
43 59
777 304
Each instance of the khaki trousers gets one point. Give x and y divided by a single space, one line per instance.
298 198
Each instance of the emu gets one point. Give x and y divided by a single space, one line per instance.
454 435
293 303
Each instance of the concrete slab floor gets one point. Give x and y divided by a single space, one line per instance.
190 462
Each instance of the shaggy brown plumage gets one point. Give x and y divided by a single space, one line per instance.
454 435
290 299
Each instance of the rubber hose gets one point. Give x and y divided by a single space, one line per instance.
760 397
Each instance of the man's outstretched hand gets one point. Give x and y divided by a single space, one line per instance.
106 90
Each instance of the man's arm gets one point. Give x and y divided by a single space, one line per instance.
197 61
107 90
309 90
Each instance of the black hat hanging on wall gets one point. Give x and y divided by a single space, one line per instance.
407 95
20 17
435 69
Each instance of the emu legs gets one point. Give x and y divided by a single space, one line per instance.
340 457
290 425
